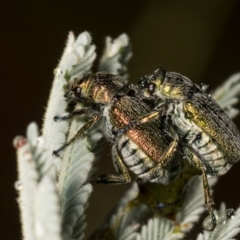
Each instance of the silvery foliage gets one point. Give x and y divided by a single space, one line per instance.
38 199
227 95
228 225
53 192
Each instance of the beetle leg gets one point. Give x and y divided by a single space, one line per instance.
146 118
155 172
71 115
196 160
168 205
123 176
79 133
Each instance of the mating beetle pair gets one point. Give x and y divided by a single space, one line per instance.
146 150
181 119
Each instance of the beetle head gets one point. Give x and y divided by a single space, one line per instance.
77 89
150 84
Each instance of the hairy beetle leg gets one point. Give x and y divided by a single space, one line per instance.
71 115
108 179
167 156
123 176
146 118
79 133
209 203
167 205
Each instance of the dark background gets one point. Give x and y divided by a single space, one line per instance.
200 39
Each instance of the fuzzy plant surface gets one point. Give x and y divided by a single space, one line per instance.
54 191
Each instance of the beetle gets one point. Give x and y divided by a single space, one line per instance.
149 151
209 138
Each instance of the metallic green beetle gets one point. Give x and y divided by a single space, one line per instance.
209 138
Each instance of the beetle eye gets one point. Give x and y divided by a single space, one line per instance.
143 82
151 88
77 91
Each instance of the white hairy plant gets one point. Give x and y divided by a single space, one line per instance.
53 192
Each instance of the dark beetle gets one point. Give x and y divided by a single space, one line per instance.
148 150
209 138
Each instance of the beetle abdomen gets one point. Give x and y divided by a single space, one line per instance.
215 155
141 164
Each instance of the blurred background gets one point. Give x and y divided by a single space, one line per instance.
200 39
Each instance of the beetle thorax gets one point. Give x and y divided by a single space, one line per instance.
98 92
